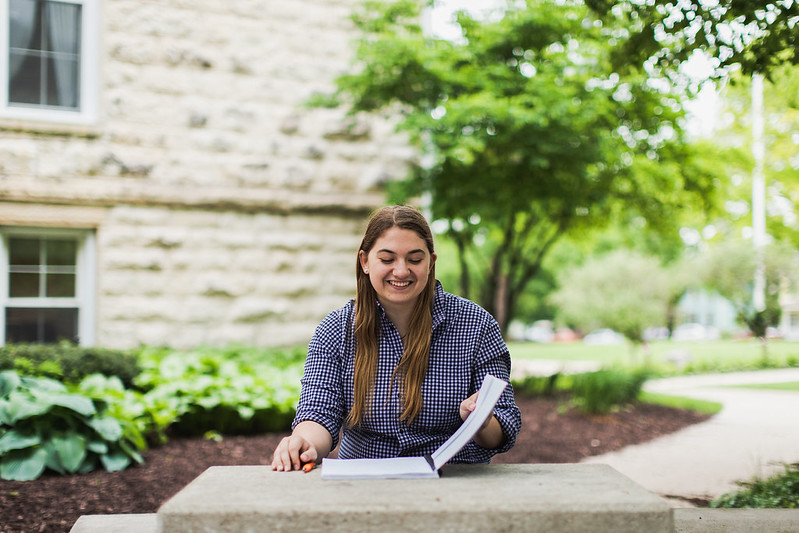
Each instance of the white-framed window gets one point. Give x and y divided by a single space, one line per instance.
47 285
49 60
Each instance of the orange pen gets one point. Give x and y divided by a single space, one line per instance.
307 467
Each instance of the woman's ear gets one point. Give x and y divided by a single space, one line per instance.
433 258
364 260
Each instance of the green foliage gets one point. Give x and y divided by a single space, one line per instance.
780 491
729 268
592 392
45 426
756 35
68 362
537 385
229 390
622 290
599 392
527 133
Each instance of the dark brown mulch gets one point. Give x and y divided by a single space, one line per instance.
549 434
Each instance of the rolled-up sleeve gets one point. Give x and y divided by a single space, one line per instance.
493 358
321 396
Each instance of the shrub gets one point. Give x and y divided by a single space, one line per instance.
599 392
68 362
232 390
43 425
780 491
537 385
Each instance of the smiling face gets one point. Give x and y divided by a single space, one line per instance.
398 266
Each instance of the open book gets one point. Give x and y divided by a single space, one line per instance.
421 467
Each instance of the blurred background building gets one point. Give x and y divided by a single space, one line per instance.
162 182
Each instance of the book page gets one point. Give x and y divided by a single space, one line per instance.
420 467
490 392
395 467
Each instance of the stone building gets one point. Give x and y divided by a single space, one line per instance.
161 181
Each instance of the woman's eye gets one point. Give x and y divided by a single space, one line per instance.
415 261
385 261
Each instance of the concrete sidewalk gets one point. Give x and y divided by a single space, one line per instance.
754 435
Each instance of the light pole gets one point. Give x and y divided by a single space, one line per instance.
758 195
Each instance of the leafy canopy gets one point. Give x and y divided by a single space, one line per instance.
525 133
756 35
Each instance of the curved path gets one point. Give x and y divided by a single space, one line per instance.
754 435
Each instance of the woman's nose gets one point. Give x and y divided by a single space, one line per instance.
401 268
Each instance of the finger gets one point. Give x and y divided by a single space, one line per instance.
309 455
295 447
278 457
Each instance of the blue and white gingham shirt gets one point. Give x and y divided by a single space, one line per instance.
466 345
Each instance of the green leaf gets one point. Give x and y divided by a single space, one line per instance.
108 428
97 446
79 404
9 380
132 453
53 462
23 465
115 461
17 440
71 450
21 406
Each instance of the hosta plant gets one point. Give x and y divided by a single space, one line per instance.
45 426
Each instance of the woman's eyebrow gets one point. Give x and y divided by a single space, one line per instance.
387 251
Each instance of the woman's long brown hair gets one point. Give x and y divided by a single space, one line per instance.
413 364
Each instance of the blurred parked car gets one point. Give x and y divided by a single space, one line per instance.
656 333
695 332
540 331
603 336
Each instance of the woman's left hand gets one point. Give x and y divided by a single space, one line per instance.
468 405
490 433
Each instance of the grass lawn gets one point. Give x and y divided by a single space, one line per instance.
710 354
790 386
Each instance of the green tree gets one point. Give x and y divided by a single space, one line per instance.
526 134
756 35
729 269
623 290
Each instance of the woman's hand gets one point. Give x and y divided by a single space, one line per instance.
468 405
490 435
293 452
308 443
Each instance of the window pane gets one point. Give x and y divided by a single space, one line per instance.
62 82
61 251
60 285
25 82
41 325
62 27
44 57
23 251
24 24
23 285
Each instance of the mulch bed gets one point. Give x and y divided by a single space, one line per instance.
551 433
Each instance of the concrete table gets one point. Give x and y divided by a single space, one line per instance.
552 498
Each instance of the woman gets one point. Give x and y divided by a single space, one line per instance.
399 367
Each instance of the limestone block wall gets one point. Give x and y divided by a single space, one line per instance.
188 278
228 211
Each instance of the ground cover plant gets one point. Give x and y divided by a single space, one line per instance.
780 491
67 427
43 425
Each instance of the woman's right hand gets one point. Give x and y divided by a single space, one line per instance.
292 452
